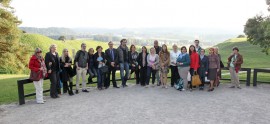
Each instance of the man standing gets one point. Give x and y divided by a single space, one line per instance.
158 49
123 61
234 63
81 60
197 47
111 56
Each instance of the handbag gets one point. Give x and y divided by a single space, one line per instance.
196 81
221 64
104 69
35 76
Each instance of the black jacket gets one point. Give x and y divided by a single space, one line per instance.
140 59
66 71
55 60
95 59
108 57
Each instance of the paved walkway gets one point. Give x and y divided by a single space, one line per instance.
138 105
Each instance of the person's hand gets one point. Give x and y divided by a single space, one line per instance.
180 63
50 71
217 70
41 69
206 72
139 67
78 68
173 63
132 65
162 65
66 65
112 64
100 62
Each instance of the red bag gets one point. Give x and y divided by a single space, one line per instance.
35 76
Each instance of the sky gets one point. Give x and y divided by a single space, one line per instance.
223 14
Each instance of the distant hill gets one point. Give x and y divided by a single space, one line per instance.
43 42
253 57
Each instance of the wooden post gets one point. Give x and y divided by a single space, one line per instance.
21 92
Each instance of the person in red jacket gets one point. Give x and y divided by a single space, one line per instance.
194 62
37 66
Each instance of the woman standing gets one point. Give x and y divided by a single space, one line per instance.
214 67
174 71
203 70
99 59
142 61
217 81
53 65
37 66
183 62
133 55
194 62
234 63
91 69
164 61
152 66
65 75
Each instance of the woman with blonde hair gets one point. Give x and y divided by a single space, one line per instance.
152 66
66 74
38 72
53 65
164 62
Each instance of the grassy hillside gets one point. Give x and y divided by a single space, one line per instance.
36 40
253 57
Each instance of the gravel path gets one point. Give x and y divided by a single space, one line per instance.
138 105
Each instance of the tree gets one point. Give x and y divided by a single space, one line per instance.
257 30
241 36
13 54
63 38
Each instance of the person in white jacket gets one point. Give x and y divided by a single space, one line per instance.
174 70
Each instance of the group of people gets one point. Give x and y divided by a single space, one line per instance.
145 65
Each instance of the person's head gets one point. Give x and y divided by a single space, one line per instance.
144 49
65 52
38 52
155 43
175 48
202 52
192 49
123 42
132 48
216 50
196 42
91 51
153 50
110 44
164 48
53 48
183 49
99 49
211 51
235 50
83 46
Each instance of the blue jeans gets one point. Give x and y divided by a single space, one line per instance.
149 72
100 78
124 67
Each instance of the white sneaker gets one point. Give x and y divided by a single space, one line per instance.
40 102
146 86
153 85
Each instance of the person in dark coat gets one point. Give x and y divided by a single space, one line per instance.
66 73
91 69
203 69
99 59
133 55
142 61
111 55
53 66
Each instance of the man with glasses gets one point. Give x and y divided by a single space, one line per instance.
81 60
123 61
111 56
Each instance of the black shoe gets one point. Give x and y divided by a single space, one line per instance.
210 90
85 90
158 84
71 93
201 88
126 85
77 91
99 88
106 87
239 87
65 91
171 85
232 87
116 87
